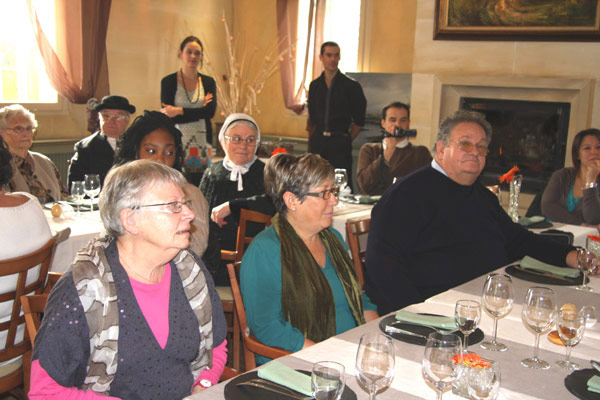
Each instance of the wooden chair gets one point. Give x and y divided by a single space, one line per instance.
355 228
251 344
12 374
225 293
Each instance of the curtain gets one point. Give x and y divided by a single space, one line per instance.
287 27
77 66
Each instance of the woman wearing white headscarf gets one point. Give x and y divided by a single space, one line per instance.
240 175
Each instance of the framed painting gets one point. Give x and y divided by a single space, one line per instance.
521 20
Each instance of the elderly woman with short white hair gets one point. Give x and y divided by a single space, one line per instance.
32 172
138 316
240 175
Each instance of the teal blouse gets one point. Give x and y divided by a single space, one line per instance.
261 292
571 200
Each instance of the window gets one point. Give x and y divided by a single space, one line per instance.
23 76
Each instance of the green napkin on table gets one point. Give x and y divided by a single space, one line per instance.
532 263
435 321
286 376
593 384
365 199
526 221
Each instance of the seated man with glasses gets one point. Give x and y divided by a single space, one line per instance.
240 175
439 227
95 153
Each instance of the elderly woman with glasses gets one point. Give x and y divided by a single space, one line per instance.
32 172
137 317
298 282
240 175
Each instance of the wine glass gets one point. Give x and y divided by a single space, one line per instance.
539 313
375 362
497 298
340 178
91 187
438 363
327 380
589 312
484 383
587 262
467 314
570 325
77 192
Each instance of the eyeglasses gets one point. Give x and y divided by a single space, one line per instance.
173 207
238 140
117 117
22 129
467 146
325 194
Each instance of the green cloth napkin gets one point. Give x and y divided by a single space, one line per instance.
364 199
594 384
526 221
286 376
532 263
435 321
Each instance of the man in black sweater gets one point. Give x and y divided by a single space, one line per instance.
439 227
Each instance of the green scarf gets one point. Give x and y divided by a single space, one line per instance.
306 297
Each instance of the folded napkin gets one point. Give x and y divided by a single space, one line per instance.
286 376
364 199
526 221
436 321
532 263
593 384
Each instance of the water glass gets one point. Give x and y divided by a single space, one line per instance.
77 192
91 187
439 367
570 325
467 314
591 318
375 362
539 313
327 380
587 262
497 299
484 383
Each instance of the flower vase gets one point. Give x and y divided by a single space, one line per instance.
460 386
513 200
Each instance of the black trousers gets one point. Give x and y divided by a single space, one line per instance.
337 149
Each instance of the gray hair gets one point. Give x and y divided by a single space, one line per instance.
460 116
286 172
15 110
126 186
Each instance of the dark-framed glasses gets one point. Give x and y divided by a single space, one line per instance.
250 141
173 207
116 117
22 129
467 147
325 194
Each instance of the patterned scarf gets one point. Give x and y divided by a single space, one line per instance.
307 300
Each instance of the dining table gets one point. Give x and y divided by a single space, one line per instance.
517 381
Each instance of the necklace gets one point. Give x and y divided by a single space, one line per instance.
130 269
186 92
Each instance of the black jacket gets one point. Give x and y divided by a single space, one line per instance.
93 155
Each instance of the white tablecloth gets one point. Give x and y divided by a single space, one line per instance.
349 211
83 228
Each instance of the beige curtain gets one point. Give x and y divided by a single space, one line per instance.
287 27
77 66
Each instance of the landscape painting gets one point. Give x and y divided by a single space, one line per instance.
574 20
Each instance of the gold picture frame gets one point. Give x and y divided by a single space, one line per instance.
517 20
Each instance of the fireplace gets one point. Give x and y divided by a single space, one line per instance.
530 134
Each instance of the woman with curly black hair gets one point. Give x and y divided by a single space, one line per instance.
154 136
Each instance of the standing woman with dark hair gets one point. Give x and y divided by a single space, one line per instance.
189 98
572 194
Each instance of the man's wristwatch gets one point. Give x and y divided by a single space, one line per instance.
205 383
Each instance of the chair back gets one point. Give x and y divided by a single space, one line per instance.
246 217
355 228
33 307
251 344
11 331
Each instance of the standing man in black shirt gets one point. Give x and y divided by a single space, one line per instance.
336 108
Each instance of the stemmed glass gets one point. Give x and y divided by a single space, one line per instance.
484 383
539 313
91 187
467 314
375 362
340 178
327 380
497 298
77 192
438 365
570 326
587 262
